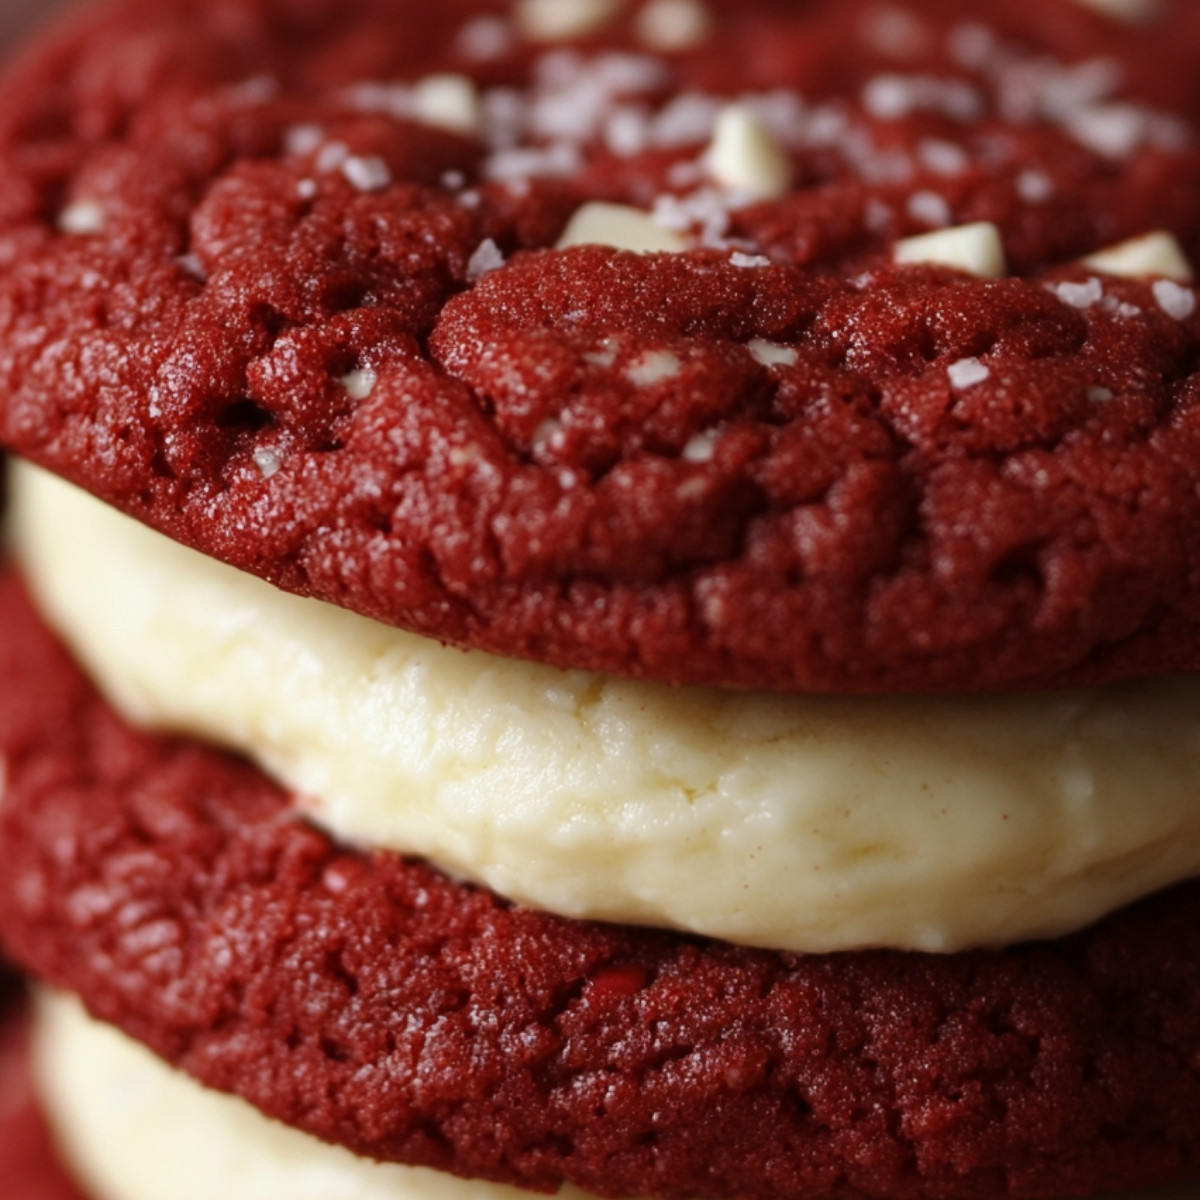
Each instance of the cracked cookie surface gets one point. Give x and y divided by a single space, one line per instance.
257 292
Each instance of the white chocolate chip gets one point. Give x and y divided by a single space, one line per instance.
701 448
967 372
1124 10
359 383
976 249
564 20
745 155
673 26
749 262
655 366
1144 257
619 226
82 217
772 354
450 102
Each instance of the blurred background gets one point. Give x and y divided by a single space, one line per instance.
18 15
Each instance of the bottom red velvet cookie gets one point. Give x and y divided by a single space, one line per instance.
374 1003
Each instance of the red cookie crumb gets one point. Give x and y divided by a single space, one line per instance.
372 1002
249 297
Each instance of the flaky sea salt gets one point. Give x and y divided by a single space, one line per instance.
1174 299
367 174
1079 295
929 208
486 38
268 462
488 257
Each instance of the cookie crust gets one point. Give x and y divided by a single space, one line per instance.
374 1003
189 276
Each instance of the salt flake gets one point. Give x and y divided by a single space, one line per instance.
488 257
1174 299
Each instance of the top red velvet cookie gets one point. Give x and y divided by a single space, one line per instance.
283 279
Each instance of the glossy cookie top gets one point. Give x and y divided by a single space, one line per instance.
281 279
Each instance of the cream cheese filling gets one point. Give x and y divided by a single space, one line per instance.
799 823
134 1129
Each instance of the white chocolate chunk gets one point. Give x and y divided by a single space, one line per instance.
449 101
1152 254
976 249
967 372
359 383
82 217
1132 11
619 226
564 20
673 26
772 354
654 367
745 155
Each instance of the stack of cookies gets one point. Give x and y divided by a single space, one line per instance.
602 595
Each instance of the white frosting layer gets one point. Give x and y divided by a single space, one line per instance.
136 1130
798 823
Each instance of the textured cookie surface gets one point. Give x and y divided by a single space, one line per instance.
376 1004
274 282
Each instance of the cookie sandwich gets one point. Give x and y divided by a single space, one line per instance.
603 596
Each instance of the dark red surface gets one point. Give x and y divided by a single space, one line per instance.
375 1003
862 526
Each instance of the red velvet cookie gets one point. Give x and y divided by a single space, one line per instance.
374 1003
251 295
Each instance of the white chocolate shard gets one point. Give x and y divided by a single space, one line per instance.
1133 11
745 156
772 354
449 101
619 226
82 218
673 26
564 20
1152 254
976 249
359 383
